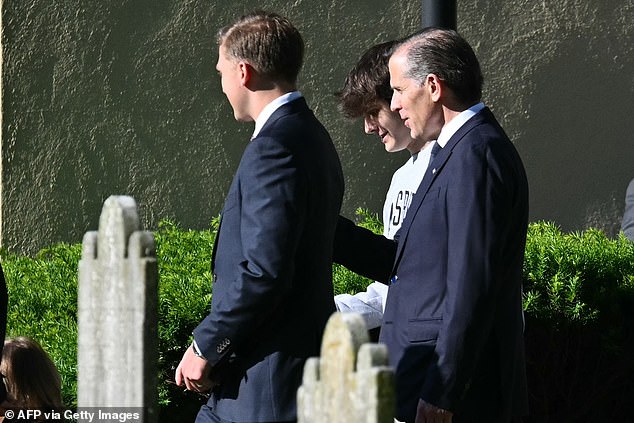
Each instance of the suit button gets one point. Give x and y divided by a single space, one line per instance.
223 345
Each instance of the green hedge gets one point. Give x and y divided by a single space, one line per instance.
579 302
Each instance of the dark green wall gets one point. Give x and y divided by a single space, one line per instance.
560 76
121 97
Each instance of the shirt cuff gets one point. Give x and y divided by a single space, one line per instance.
196 349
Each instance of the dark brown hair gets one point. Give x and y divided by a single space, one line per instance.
31 378
367 86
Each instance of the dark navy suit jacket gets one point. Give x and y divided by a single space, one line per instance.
272 288
453 319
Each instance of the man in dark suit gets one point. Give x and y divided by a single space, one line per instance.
453 319
272 264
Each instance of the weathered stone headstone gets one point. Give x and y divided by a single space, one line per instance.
118 341
351 381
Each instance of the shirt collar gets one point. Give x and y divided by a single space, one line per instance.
456 123
270 108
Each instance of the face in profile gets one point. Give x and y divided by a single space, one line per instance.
413 101
230 71
388 126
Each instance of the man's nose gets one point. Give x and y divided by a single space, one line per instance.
369 125
395 104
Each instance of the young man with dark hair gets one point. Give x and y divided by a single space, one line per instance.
367 94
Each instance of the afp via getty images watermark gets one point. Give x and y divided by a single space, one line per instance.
81 415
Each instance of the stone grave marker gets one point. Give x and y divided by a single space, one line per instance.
351 381
117 315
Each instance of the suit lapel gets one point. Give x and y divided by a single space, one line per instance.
437 165
432 172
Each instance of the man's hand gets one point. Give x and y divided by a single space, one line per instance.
428 413
193 371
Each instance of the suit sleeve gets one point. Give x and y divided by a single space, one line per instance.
479 210
363 252
273 212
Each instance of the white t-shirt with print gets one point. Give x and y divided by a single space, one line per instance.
371 303
405 182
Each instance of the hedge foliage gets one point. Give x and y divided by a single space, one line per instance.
579 302
578 297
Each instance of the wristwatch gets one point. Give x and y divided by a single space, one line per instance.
197 352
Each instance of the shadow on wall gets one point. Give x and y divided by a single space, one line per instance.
579 152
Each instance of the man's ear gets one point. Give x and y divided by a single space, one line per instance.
246 72
434 86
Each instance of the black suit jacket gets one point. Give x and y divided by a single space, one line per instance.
272 289
453 319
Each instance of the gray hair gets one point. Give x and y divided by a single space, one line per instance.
447 55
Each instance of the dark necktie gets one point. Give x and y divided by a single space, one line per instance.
435 149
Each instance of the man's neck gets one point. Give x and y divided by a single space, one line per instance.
453 109
454 119
260 100
264 92
270 108
417 145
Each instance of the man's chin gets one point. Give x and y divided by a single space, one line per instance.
240 118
